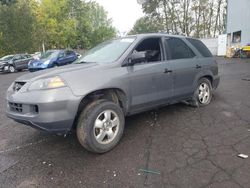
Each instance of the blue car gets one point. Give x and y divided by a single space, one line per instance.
52 58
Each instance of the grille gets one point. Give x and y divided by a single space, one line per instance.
16 107
18 85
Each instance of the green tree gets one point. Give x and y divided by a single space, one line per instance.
72 24
199 18
27 24
7 2
147 25
101 28
92 23
16 27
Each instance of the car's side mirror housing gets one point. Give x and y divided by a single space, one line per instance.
138 57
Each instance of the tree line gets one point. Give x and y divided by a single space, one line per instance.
198 18
25 25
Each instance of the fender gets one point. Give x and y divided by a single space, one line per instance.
204 73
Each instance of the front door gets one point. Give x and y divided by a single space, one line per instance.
18 61
62 58
151 83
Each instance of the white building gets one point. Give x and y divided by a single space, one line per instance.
238 22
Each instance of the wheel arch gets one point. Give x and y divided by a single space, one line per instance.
204 74
115 95
209 77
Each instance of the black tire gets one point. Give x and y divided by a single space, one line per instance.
86 126
196 101
12 69
55 65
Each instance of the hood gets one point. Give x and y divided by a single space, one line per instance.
56 71
41 61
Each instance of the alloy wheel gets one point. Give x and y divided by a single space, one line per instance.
203 93
11 69
106 127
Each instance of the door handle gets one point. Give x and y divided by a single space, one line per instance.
167 70
198 67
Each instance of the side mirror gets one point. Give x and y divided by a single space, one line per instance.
138 57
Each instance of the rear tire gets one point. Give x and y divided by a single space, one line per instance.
100 126
203 93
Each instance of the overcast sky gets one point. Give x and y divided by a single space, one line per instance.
124 13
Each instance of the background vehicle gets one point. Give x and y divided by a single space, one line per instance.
78 55
12 63
52 58
6 58
117 78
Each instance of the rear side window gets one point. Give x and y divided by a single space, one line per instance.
177 49
200 47
17 57
70 53
27 56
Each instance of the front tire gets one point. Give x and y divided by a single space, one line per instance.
12 69
100 126
55 65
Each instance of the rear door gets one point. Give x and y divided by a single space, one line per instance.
17 61
70 56
26 59
185 67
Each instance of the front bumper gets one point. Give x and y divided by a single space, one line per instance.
36 66
51 110
4 68
36 69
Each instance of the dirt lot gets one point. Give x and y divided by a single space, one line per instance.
189 147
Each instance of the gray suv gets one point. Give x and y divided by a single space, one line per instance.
115 79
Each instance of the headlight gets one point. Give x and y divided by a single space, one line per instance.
46 62
47 83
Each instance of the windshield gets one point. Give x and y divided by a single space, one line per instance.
6 58
49 54
108 51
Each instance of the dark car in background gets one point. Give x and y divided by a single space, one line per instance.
52 58
12 63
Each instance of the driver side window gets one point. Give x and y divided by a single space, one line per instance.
17 57
152 48
61 54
